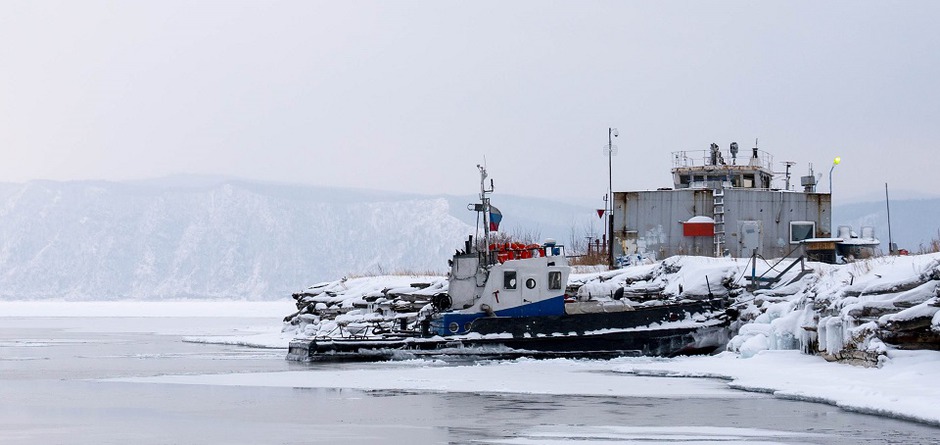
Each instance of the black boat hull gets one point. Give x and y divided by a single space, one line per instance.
680 329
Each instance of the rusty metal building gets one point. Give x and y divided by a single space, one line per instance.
719 208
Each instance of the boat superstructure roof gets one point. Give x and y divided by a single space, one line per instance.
715 167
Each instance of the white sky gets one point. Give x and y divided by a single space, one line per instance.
410 96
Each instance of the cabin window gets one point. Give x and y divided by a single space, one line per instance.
509 279
554 280
801 230
530 283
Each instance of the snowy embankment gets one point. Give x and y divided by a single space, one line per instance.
901 388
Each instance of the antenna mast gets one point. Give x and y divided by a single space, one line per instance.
485 208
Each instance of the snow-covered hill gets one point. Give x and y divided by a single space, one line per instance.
209 238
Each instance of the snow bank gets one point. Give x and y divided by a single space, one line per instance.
902 388
526 376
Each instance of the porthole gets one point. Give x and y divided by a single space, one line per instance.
530 283
454 327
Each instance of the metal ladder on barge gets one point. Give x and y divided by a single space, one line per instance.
718 212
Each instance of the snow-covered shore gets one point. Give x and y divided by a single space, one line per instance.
902 388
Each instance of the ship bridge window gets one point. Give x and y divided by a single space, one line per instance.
554 280
509 279
801 230
748 181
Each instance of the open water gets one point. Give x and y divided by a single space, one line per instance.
51 393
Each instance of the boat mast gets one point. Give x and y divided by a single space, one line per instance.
485 205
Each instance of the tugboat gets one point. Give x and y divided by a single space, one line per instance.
511 300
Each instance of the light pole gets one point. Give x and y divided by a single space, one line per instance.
611 151
835 162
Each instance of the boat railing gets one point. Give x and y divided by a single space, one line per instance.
722 158
502 252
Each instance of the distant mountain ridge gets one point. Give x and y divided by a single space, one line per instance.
206 237
195 237
96 240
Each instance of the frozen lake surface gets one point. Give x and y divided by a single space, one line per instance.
92 380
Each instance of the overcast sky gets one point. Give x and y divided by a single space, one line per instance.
411 95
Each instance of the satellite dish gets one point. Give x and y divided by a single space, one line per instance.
615 132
